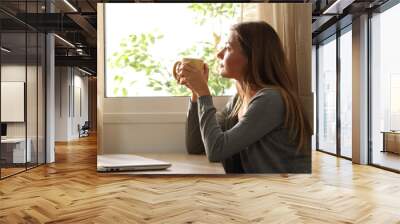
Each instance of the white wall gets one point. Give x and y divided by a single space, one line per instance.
61 103
15 73
81 104
146 124
70 84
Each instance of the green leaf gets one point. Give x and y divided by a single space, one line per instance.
124 92
148 71
115 91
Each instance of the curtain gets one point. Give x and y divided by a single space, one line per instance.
292 22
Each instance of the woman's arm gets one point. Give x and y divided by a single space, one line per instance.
265 113
194 142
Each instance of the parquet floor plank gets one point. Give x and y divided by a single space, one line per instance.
71 191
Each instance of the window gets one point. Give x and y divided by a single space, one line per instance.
327 96
346 93
22 75
140 57
385 86
394 101
314 89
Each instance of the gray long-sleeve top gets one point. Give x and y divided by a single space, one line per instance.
259 141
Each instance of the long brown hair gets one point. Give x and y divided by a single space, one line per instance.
267 67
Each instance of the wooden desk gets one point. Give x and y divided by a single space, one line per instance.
182 163
391 141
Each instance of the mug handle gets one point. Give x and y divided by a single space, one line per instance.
174 69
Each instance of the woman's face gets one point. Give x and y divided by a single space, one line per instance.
233 60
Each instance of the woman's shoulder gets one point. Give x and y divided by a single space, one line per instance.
270 90
268 104
267 94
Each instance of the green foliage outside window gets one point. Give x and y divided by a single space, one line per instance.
134 54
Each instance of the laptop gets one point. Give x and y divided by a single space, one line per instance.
128 162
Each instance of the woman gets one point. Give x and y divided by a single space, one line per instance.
263 129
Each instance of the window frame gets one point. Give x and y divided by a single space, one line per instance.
333 37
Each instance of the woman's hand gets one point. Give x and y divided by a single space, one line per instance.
193 78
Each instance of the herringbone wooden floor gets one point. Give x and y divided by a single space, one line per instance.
70 191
